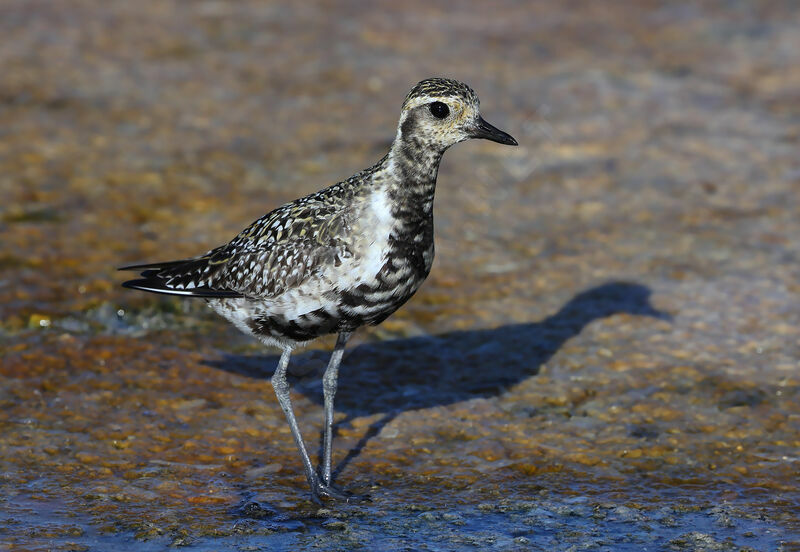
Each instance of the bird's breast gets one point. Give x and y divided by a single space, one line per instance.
392 257
395 250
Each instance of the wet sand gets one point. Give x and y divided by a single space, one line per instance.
604 357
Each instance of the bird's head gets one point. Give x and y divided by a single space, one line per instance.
438 113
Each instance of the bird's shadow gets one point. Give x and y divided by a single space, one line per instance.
390 377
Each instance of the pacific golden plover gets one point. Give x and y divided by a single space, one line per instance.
338 259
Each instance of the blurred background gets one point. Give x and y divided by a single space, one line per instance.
605 353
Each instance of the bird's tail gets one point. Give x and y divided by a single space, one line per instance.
188 277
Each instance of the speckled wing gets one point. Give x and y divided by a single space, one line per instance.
278 251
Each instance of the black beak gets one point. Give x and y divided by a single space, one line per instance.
488 132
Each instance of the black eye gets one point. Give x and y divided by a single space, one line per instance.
439 110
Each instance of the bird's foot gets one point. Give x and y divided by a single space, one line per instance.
319 489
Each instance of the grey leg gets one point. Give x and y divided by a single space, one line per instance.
329 381
281 387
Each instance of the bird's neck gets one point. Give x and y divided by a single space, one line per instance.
409 175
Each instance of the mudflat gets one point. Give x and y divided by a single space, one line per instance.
605 355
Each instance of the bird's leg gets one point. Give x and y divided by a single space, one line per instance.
329 381
281 387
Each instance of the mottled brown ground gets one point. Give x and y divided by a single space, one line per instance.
605 355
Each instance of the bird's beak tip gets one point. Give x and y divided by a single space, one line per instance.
489 132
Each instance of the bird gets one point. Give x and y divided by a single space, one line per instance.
338 259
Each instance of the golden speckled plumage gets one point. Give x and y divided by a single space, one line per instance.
340 258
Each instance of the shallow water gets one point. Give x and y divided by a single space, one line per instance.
605 356
575 522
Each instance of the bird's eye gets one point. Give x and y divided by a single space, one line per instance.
439 110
